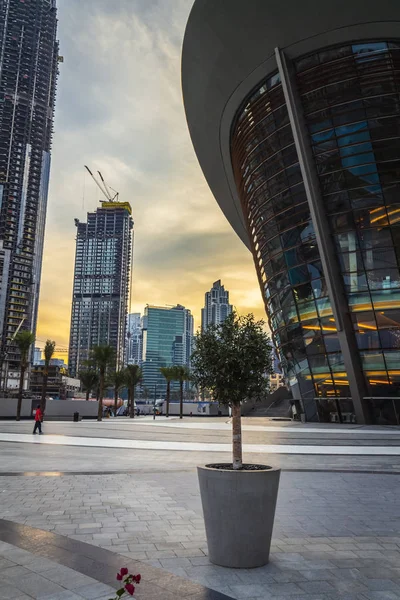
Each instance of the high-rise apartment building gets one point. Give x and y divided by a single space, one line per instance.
216 306
28 77
101 291
167 341
134 339
297 129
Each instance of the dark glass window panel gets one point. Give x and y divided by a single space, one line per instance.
390 338
299 275
307 63
319 122
297 214
278 263
315 270
372 238
333 182
303 292
394 219
365 49
350 262
332 343
359 301
314 343
324 307
385 299
327 162
392 360
353 133
337 203
364 321
384 279
365 197
319 288
372 361
319 364
371 217
346 242
379 258
274 245
367 340
355 282
345 114
391 193
307 311
384 127
342 222
336 362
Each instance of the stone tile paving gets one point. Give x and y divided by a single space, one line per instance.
24 576
337 536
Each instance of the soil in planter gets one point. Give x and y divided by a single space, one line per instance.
245 467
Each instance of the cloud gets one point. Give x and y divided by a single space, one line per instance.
119 110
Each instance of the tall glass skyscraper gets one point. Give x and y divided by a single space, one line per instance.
28 77
102 277
297 130
216 306
134 339
167 341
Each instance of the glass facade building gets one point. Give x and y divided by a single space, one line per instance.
28 81
102 278
167 341
216 306
347 99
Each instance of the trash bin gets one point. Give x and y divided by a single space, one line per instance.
76 417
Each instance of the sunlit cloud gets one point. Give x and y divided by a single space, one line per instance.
119 110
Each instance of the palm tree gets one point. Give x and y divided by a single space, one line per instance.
103 357
181 374
89 379
24 340
133 374
169 374
48 353
118 382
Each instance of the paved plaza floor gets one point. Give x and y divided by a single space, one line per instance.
337 527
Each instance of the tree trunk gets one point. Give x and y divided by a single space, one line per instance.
181 400
20 391
132 407
168 395
101 392
44 391
87 395
237 436
116 390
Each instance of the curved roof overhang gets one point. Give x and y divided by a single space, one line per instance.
229 47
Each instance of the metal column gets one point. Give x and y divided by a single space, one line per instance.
325 244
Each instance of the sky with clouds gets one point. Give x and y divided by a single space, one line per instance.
119 110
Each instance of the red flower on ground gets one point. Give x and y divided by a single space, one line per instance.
137 578
119 577
124 571
130 588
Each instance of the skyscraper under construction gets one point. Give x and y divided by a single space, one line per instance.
28 77
101 283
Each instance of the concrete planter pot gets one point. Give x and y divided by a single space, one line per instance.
239 512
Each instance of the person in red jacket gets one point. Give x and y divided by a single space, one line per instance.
38 420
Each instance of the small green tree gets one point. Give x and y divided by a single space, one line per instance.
169 374
181 373
133 375
24 340
118 381
89 380
233 361
103 357
48 355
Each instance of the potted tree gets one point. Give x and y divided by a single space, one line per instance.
233 361
118 381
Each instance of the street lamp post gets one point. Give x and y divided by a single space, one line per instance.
155 399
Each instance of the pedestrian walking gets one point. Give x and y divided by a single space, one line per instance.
38 420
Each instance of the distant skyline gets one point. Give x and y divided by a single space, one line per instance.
126 118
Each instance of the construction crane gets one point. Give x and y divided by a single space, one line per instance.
105 189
